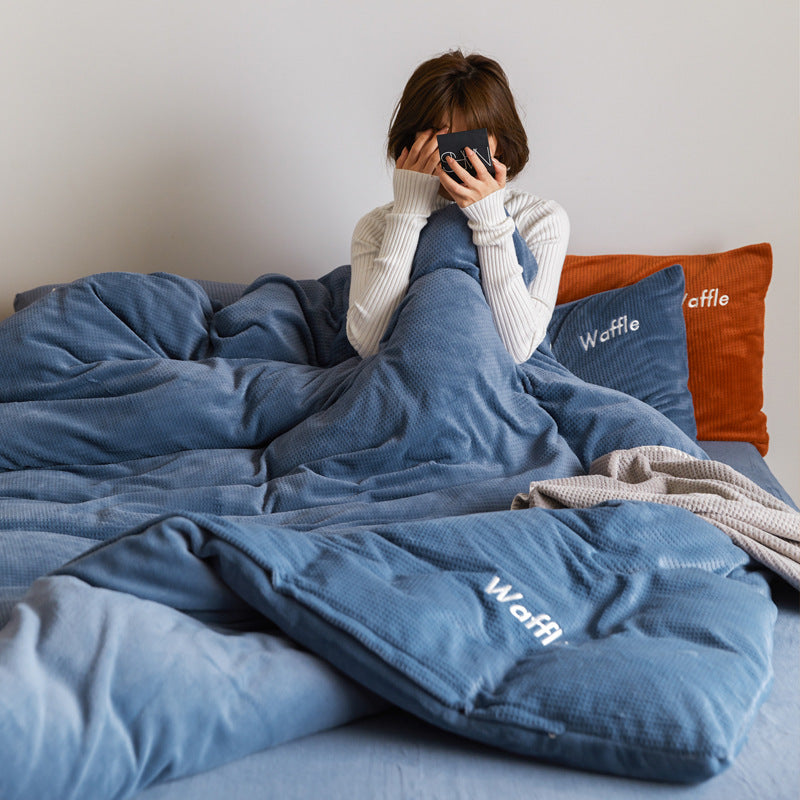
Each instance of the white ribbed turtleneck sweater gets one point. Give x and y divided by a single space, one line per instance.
385 240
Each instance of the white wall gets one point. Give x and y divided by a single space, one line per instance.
227 139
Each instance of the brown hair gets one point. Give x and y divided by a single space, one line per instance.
474 86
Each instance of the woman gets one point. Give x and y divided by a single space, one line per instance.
451 93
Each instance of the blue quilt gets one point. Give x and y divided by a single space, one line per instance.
238 532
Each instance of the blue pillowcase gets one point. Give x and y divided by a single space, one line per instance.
631 339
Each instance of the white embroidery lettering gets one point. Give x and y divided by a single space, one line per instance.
502 591
708 298
544 628
618 327
590 339
520 612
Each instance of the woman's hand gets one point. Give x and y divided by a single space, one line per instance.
424 153
474 187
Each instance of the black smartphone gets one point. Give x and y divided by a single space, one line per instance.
453 144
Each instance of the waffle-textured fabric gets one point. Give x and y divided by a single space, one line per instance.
724 308
759 523
240 468
632 339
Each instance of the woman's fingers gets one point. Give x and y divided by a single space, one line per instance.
460 192
423 142
431 156
477 164
480 174
423 156
500 172
424 153
454 168
420 140
472 187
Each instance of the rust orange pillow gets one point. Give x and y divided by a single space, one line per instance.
724 312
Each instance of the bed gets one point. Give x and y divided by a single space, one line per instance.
237 560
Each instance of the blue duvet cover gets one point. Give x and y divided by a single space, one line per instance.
247 533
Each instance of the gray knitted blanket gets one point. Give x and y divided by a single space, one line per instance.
765 527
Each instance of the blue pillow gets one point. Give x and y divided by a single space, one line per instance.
631 339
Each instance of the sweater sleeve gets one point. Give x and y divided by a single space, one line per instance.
382 252
521 313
